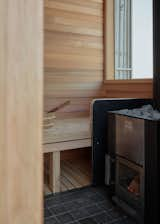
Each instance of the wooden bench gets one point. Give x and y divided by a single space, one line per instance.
67 133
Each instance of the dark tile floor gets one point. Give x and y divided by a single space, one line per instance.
87 205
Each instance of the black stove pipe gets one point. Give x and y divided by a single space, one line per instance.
156 53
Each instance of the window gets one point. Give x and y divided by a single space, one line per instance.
129 39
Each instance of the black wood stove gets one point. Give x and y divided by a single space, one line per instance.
132 163
126 149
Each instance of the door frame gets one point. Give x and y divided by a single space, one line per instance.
21 97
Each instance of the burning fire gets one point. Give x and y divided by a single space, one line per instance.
134 186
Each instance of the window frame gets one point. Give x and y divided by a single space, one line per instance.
109 47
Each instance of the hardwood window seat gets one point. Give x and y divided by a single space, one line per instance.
68 132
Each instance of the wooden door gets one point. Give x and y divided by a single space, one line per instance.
21 82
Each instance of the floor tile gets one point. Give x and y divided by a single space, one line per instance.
103 218
89 205
65 218
51 220
87 221
80 213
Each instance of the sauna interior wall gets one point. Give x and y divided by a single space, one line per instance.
73 53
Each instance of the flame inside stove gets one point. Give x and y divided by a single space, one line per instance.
134 186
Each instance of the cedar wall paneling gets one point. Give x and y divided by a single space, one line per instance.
73 53
129 89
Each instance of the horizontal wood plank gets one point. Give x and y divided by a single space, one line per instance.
61 146
129 88
70 7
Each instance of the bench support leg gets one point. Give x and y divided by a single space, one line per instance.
55 172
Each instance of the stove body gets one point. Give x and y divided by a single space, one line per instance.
132 165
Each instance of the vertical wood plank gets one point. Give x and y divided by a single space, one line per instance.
108 40
21 79
55 174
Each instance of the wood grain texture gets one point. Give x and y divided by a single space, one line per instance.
75 174
62 146
75 171
77 154
109 40
73 53
21 81
55 171
129 89
68 129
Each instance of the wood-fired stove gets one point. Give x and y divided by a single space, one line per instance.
132 159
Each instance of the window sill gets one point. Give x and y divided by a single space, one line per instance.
133 81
